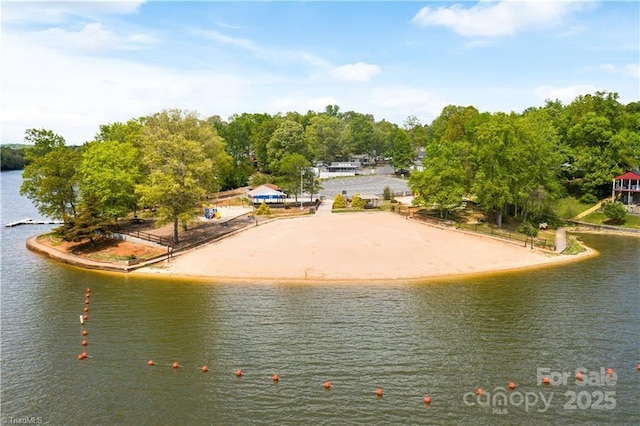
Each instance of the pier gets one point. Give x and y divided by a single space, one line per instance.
34 222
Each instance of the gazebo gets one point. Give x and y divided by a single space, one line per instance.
626 189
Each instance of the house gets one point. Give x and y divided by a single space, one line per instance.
626 189
268 193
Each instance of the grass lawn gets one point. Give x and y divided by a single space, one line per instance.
598 218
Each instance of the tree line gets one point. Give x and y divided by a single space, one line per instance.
170 161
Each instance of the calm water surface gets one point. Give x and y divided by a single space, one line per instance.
444 339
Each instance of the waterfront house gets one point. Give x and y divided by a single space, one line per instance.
626 189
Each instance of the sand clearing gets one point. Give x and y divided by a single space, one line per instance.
350 247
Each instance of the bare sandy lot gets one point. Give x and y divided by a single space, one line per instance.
350 247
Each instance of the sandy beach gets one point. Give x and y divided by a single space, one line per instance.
351 248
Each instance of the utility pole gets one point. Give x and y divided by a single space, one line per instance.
301 172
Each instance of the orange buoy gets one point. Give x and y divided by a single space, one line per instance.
427 400
379 392
545 380
85 332
579 376
512 385
638 367
175 365
88 290
85 317
86 301
85 343
88 295
85 309
479 391
150 362
205 368
275 377
609 371
238 373
327 385
80 356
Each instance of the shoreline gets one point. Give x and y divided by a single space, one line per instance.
342 248
371 248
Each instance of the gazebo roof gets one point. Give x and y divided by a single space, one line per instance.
628 175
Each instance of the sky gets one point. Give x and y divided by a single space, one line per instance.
70 67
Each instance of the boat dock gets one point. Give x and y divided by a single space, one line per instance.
34 222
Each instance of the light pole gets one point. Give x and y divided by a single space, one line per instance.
301 172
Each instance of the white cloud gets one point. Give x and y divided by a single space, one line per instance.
496 18
56 12
355 72
91 38
78 93
565 94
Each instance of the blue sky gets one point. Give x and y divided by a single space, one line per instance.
71 66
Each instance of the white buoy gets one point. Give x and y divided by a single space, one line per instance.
81 320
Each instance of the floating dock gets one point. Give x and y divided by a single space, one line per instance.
34 222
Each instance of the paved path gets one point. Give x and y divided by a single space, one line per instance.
561 240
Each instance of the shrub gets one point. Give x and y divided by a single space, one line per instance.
339 202
386 193
588 199
263 210
615 212
358 202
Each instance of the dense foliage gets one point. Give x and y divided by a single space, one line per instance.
509 163
11 158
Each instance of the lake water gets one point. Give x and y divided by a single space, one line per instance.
444 339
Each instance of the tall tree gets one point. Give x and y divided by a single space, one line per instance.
181 172
287 139
403 154
324 136
50 177
109 172
442 182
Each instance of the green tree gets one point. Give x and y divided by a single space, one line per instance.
287 139
325 138
175 151
292 169
49 179
109 171
403 154
442 183
494 154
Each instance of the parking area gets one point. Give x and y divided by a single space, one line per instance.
372 184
